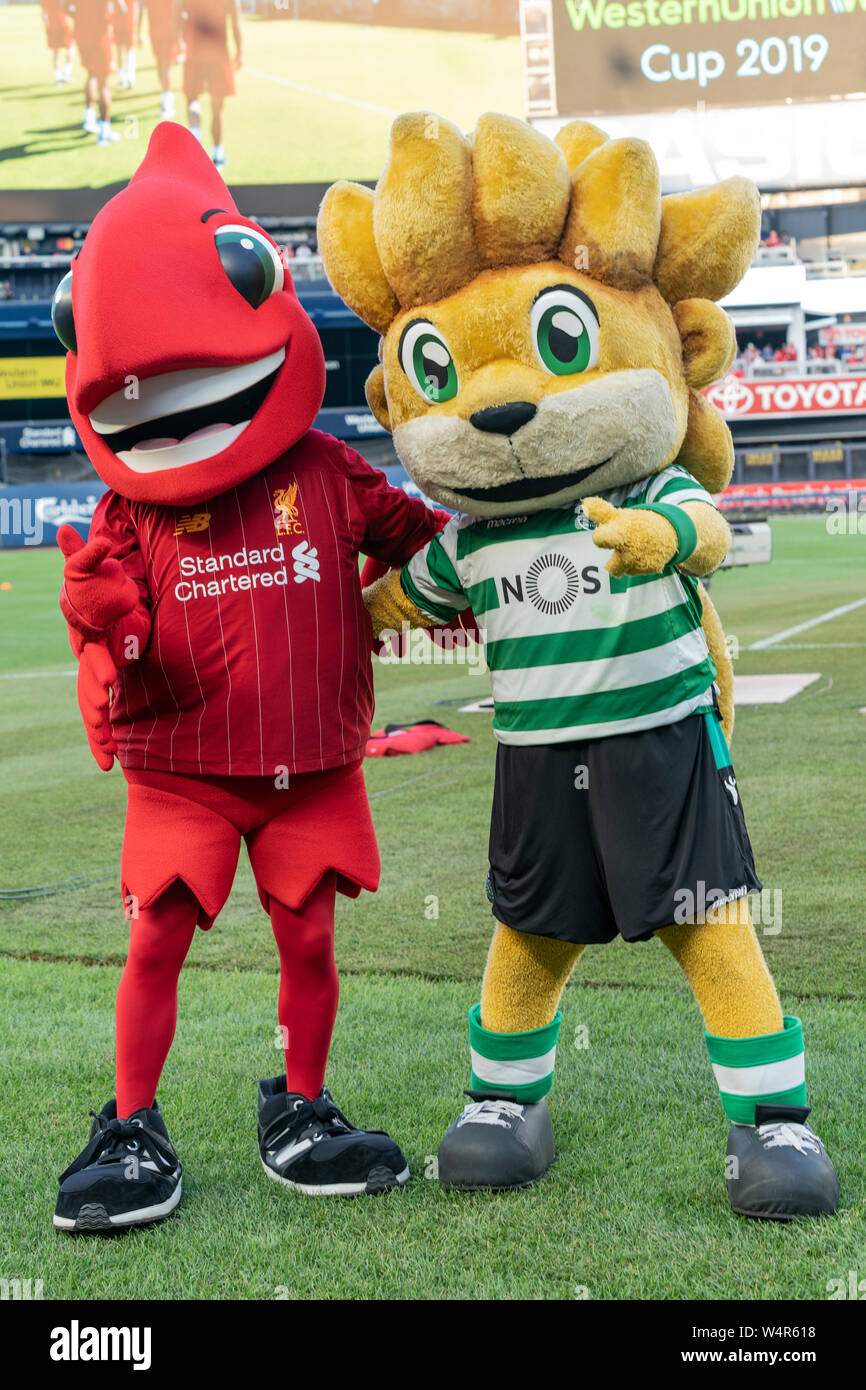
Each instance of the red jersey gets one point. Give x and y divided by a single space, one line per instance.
92 21
125 24
253 639
161 20
206 29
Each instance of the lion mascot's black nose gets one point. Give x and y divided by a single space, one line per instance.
503 419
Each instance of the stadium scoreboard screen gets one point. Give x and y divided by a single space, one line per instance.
586 57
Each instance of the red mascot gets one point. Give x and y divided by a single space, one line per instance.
224 652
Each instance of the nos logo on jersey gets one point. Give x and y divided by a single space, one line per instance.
551 584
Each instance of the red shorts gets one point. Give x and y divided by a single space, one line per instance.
95 55
190 827
164 51
125 26
58 32
207 75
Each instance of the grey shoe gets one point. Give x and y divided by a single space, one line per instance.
496 1143
778 1168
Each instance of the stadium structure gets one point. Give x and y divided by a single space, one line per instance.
795 396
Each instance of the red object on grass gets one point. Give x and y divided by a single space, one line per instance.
395 739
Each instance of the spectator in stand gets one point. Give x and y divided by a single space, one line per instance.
58 35
772 238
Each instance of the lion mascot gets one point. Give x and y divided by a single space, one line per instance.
548 322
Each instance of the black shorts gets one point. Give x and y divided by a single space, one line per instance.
622 834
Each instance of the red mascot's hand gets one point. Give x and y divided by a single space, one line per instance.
97 673
97 587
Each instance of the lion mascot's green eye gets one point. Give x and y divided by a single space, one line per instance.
426 359
565 330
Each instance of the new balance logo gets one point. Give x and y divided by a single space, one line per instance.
191 523
306 564
731 788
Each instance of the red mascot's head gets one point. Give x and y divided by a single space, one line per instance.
191 363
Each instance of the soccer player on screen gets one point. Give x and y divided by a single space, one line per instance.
209 67
126 37
58 35
92 28
162 25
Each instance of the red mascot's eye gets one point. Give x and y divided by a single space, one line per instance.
251 262
61 313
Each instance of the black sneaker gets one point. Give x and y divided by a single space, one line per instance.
128 1175
496 1143
778 1169
311 1146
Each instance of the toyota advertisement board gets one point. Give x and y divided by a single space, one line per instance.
809 395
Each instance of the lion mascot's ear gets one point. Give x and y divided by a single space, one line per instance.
374 390
706 243
708 338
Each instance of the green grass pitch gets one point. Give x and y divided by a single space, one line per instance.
314 101
635 1207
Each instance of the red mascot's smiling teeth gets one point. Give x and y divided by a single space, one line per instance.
184 417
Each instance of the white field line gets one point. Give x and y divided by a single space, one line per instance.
778 637
321 92
37 675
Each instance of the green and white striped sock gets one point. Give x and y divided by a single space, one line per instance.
766 1070
519 1064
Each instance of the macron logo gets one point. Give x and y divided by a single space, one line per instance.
306 562
77 1343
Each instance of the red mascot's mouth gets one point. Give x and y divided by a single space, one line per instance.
183 417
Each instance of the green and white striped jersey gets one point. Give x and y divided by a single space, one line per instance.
573 652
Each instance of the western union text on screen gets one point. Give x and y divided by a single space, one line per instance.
635 14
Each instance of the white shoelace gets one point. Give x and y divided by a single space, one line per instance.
782 1135
491 1112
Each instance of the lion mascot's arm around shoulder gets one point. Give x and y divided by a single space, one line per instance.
389 606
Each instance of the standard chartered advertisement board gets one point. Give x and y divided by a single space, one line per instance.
656 55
